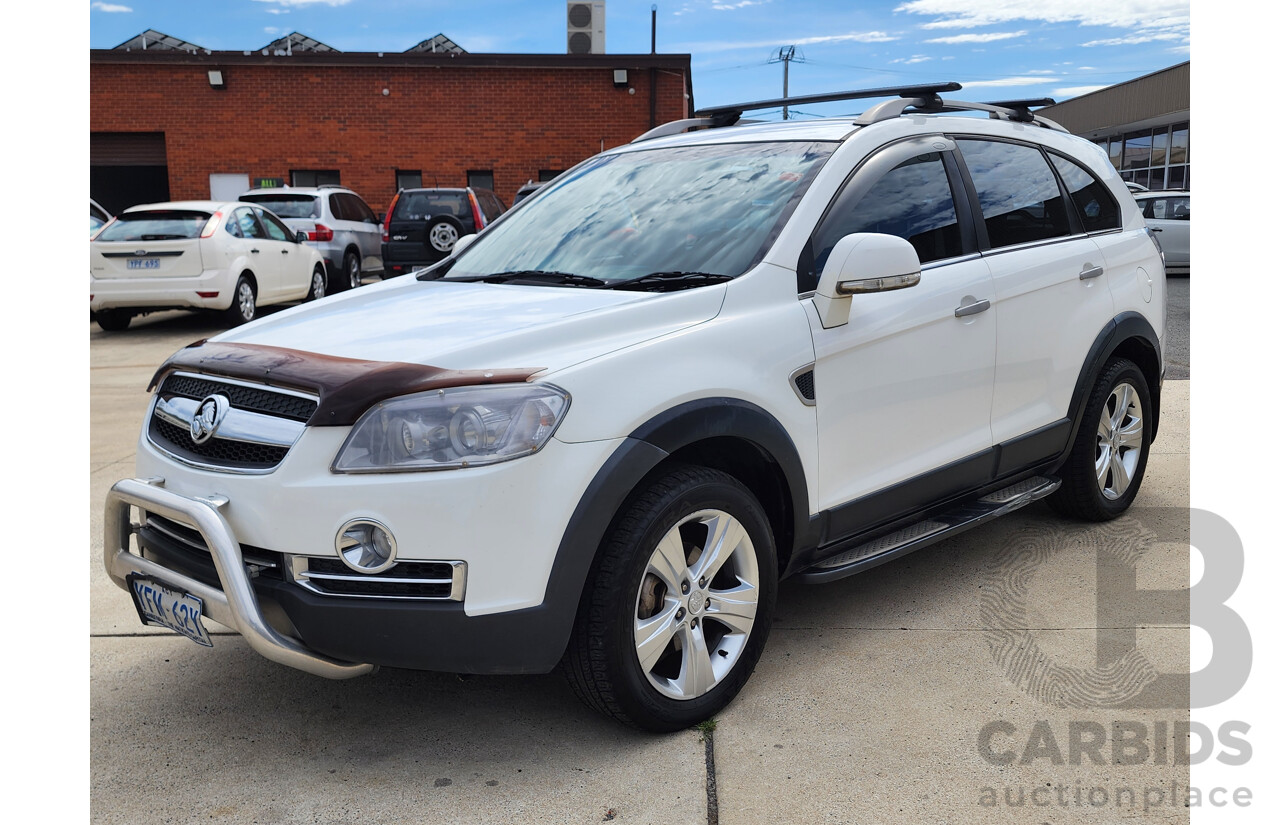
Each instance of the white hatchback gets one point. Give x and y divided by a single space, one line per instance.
225 256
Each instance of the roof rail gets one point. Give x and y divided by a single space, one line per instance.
729 115
1014 110
923 98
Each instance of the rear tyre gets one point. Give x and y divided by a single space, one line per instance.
351 271
1109 458
244 304
678 604
443 232
113 320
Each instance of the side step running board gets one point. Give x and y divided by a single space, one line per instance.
936 528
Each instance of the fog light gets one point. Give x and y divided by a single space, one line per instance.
366 546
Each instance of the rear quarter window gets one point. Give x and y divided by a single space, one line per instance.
1098 210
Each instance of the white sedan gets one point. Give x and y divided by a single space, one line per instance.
1168 213
230 257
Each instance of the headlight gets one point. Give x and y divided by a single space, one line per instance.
451 428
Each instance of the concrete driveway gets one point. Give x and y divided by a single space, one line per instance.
943 687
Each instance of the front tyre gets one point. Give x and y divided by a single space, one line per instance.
678 605
1109 458
317 284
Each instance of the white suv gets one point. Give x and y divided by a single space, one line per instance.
599 434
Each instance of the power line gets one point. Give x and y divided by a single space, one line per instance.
785 55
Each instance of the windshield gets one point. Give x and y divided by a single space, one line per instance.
155 226
287 206
699 209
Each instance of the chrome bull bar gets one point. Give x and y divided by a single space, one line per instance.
236 605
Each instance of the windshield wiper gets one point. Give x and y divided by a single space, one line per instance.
670 281
534 276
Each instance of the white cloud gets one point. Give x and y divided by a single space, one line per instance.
977 38
111 8
1074 91
1172 17
735 6
1022 80
271 30
1136 37
722 46
296 3
917 58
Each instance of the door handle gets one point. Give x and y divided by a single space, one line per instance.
1090 272
284 252
254 251
973 309
1156 229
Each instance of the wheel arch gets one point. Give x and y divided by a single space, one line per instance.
1128 335
727 434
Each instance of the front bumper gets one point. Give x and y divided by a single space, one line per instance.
333 637
236 604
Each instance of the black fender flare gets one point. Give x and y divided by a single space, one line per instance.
622 473
1124 327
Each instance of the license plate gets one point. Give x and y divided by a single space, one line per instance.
159 604
144 263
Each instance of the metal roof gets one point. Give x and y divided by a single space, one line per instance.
152 40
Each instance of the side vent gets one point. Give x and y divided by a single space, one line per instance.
802 383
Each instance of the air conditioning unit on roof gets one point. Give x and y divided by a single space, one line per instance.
586 27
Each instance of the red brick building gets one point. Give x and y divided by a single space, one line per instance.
175 124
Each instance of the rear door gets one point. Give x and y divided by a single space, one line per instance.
163 243
359 219
292 263
1050 300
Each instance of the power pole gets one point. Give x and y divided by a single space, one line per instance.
785 55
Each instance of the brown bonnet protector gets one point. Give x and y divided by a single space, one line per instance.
346 386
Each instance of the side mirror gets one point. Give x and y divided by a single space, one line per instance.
301 237
462 243
860 263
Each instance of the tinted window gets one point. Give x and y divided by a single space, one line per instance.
912 201
159 225
1167 209
287 206
426 204
490 204
1019 195
338 208
249 226
275 230
355 209
1097 209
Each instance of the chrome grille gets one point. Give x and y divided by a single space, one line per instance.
260 425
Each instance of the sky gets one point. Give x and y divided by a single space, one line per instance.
998 49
